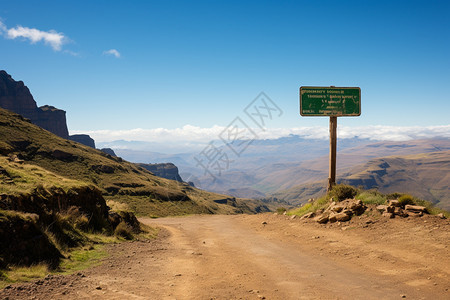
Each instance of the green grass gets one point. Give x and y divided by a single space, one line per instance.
22 274
77 259
80 259
83 258
27 177
320 203
371 197
433 210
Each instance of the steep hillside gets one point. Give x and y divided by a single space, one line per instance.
116 178
42 214
424 175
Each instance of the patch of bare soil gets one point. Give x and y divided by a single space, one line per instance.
266 257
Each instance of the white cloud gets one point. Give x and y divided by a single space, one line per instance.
52 38
2 27
112 52
163 135
76 54
197 135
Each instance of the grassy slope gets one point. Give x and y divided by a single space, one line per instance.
119 180
424 175
23 178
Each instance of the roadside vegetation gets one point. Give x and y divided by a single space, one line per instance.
88 253
50 224
342 192
75 259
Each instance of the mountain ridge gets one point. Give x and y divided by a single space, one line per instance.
117 179
16 97
424 175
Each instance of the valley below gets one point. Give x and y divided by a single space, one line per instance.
265 256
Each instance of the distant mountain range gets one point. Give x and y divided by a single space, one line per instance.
424 175
291 168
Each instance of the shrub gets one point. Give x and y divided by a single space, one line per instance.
281 210
124 230
406 200
433 210
393 196
76 218
370 197
341 192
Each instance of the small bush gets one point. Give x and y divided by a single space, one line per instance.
124 230
393 196
406 200
281 210
371 197
76 218
341 192
433 210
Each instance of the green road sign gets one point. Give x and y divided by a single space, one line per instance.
330 101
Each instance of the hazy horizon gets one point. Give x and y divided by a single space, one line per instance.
191 138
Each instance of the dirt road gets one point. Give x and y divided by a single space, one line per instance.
239 257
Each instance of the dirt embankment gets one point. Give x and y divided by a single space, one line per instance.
239 257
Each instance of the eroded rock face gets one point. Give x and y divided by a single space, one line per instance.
16 97
83 139
108 151
167 170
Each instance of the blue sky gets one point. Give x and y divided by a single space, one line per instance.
199 63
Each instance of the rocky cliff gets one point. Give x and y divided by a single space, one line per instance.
83 139
16 97
167 170
108 151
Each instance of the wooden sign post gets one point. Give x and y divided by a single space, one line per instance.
333 102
